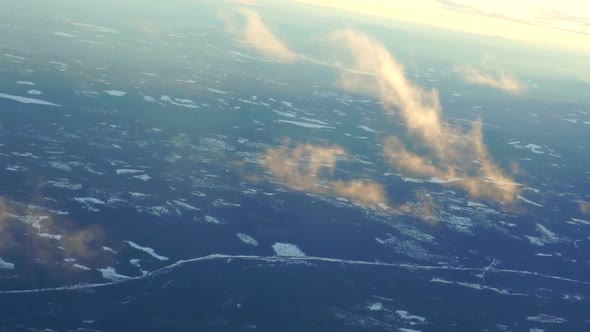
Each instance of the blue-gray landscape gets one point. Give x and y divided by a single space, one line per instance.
294 165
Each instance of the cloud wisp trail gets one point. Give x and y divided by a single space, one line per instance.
449 154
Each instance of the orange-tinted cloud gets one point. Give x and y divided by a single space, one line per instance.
424 207
584 207
502 81
364 192
455 157
310 168
303 167
259 36
49 240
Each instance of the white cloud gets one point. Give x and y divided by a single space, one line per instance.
449 152
259 36
310 168
502 81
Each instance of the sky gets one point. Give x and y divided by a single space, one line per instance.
561 24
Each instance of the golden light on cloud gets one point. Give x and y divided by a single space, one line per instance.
49 240
502 81
424 206
303 166
364 192
310 168
450 155
259 36
584 207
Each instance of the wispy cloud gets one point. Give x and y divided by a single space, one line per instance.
584 207
303 167
451 155
311 168
364 192
259 36
502 81
50 239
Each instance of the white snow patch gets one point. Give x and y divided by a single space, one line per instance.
547 235
579 221
542 318
65 184
179 102
535 240
143 177
60 166
249 57
472 285
115 93
111 273
377 306
247 239
217 91
128 171
136 262
82 267
528 201
408 179
407 316
95 27
4 265
534 148
437 180
212 220
14 56
61 64
287 249
89 203
185 205
147 250
365 128
305 124
26 100
286 114
64 34
459 224
540 254
50 236
109 249
314 120
89 200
